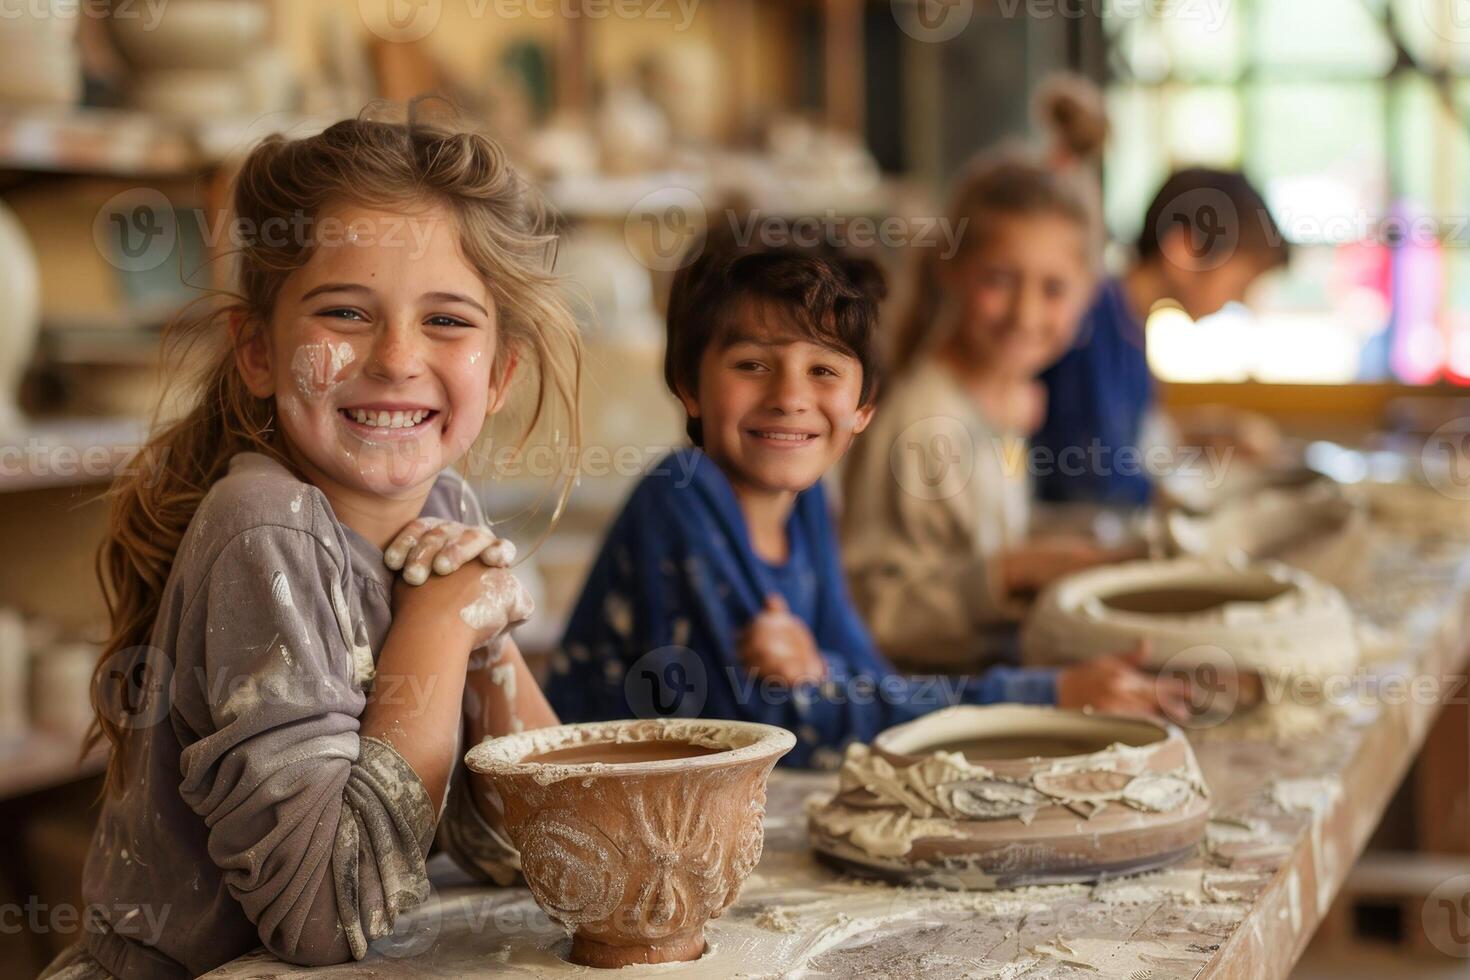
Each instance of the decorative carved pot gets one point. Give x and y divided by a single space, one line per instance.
1269 619
633 834
1008 796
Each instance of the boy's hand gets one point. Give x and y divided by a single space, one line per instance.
485 604
778 644
1119 685
1036 564
444 546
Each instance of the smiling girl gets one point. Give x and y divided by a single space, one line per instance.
936 531
285 711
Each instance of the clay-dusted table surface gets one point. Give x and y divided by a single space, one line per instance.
1292 815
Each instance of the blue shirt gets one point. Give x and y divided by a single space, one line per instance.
655 631
1098 395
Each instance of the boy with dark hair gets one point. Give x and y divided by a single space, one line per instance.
719 591
1206 238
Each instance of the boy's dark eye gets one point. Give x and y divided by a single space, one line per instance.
749 366
824 371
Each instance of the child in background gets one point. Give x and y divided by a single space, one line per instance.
936 525
1206 239
719 590
304 706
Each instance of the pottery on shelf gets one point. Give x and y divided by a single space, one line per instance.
633 834
1270 619
40 64
1316 527
191 93
20 315
1010 796
216 34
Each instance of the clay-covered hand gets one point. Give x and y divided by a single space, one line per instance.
778 644
1119 685
1033 566
444 546
484 604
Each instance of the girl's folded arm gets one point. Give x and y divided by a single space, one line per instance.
321 833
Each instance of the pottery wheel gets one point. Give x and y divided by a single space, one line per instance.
1009 796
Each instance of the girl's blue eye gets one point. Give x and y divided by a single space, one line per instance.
341 313
447 321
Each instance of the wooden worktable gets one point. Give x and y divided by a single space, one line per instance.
1291 815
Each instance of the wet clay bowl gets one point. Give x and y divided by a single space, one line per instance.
633 834
1009 796
1267 618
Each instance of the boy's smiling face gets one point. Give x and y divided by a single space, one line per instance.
776 408
379 354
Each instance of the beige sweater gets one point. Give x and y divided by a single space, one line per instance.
933 494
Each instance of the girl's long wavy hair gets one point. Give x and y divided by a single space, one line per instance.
385 158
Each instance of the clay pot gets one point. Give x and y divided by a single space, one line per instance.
633 834
20 315
1269 619
40 71
213 34
1008 796
191 93
1316 528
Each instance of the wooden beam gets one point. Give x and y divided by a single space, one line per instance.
843 68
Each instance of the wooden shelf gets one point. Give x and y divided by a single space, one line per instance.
40 760
68 452
94 141
123 143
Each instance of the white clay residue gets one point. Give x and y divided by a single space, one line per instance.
503 676
364 667
502 600
320 366
281 591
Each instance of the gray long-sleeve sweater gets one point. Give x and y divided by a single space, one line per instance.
254 813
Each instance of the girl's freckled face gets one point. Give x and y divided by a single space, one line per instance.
381 352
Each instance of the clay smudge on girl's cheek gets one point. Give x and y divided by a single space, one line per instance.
320 366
